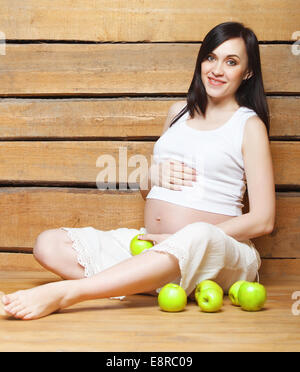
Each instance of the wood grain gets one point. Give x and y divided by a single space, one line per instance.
135 20
130 118
86 162
95 69
137 324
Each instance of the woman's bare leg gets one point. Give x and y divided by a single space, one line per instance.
53 250
138 274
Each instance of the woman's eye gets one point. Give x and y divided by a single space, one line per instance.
233 62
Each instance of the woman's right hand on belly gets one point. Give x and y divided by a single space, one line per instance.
172 174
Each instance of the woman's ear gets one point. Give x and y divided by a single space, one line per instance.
248 75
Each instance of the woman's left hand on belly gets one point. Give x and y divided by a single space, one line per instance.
155 238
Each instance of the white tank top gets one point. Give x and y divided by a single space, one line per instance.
216 154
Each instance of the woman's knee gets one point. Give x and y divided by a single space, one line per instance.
46 242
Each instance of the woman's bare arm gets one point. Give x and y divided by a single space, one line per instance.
260 183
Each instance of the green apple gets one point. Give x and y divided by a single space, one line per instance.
207 284
234 291
252 296
172 297
138 245
210 300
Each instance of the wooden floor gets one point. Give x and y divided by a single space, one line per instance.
137 324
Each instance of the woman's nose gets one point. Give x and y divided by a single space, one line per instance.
217 69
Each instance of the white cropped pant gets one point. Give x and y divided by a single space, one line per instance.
203 250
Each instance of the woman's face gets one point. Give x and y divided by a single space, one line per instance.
224 68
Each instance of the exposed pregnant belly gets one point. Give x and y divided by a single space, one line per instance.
161 217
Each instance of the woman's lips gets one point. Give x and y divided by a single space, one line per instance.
215 82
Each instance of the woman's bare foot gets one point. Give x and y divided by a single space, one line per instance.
2 311
40 301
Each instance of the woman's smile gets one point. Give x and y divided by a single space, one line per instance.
215 82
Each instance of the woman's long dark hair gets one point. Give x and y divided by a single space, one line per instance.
250 93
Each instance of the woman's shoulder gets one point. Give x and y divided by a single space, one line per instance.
247 111
176 107
255 133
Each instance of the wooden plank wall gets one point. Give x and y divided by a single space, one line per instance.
81 78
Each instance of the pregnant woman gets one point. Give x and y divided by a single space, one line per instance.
213 144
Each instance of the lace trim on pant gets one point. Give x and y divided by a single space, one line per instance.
83 257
